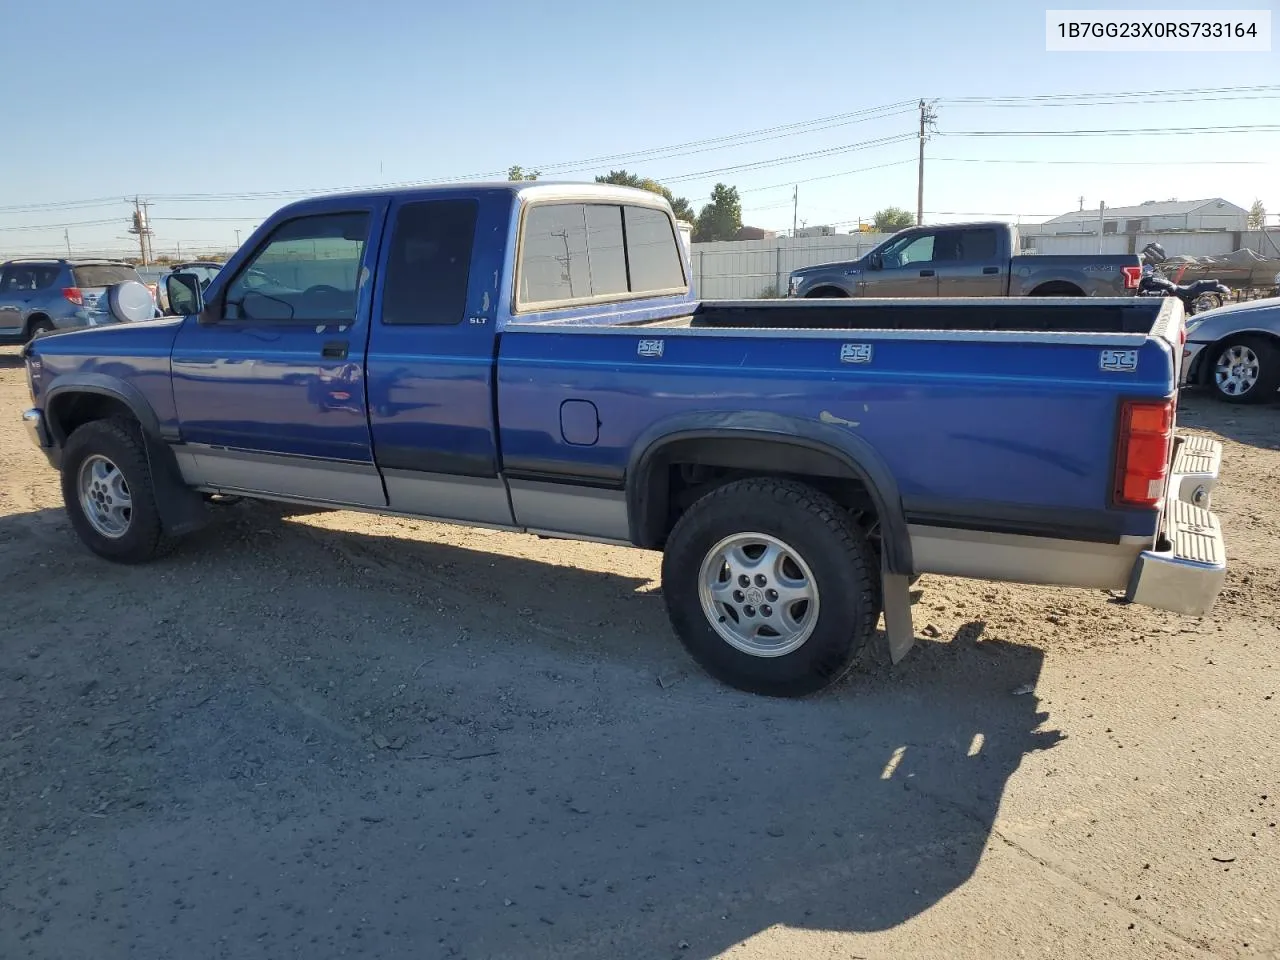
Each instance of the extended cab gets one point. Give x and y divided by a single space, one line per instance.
967 260
531 357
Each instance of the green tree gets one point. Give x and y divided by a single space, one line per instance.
1257 216
679 205
892 219
519 173
721 219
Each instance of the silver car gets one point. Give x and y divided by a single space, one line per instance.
1234 351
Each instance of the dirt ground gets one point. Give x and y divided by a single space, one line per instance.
327 735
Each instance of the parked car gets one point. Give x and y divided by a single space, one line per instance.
1234 351
967 260
531 357
42 295
204 270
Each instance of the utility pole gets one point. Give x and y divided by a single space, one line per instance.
143 229
1082 203
795 208
237 239
146 219
927 117
66 235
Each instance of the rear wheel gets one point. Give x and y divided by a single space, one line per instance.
1057 290
37 326
108 492
1244 369
1206 302
771 587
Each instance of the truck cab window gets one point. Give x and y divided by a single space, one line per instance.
429 264
553 261
653 251
977 245
909 250
576 251
308 270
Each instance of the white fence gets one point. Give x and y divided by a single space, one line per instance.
1204 243
743 269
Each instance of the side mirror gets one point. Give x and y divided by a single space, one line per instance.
186 299
130 302
875 261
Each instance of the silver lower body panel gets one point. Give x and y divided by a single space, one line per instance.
1181 569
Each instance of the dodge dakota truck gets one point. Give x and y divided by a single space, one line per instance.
967 260
530 357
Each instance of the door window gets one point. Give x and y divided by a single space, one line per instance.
909 250
308 271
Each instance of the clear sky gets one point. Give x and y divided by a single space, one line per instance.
253 97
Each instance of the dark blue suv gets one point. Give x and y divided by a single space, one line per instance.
39 295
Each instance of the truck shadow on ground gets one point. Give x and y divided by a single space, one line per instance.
1257 425
606 816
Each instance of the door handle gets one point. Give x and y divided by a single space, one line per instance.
335 350
926 273
990 270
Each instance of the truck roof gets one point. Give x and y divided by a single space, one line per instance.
73 261
968 224
527 189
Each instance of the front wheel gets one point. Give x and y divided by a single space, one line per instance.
108 492
771 587
1244 370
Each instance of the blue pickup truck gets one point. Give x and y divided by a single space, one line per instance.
531 357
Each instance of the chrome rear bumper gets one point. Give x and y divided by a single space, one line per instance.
1187 567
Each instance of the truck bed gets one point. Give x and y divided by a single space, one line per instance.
1065 315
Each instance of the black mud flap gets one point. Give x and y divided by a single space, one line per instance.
182 509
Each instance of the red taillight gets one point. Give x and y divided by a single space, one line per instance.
72 294
1132 275
1142 453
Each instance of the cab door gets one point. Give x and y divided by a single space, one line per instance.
969 263
269 380
905 268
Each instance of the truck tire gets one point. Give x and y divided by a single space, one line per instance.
109 493
770 587
1243 369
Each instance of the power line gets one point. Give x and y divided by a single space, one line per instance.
1118 131
61 226
792 158
1109 163
798 128
63 205
1118 96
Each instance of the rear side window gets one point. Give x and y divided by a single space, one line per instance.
575 251
977 244
102 274
653 251
429 265
24 277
